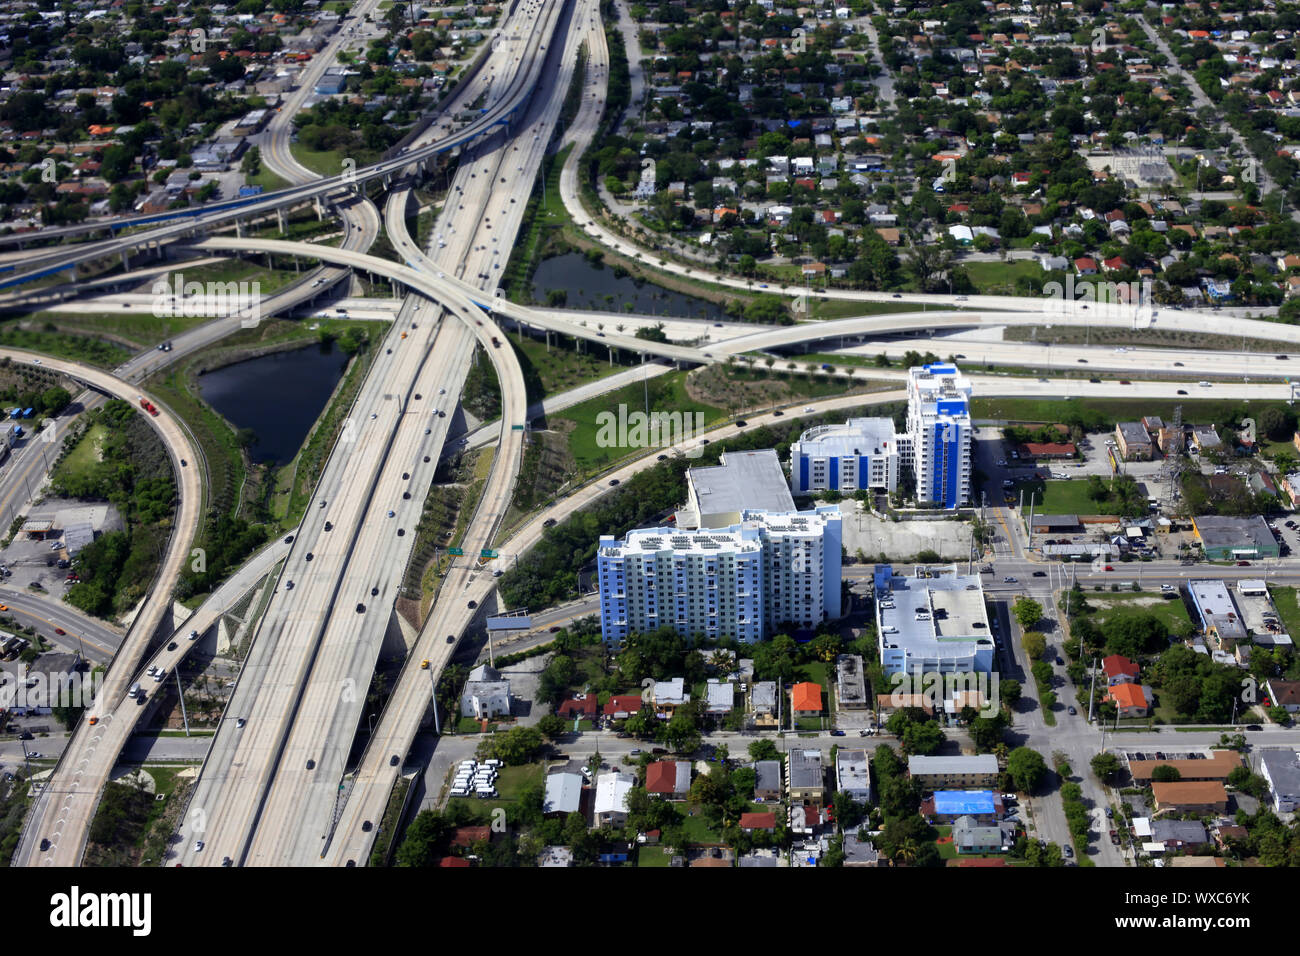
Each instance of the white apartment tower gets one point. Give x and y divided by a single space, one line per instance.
741 581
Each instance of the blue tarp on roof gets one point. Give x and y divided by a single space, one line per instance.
960 802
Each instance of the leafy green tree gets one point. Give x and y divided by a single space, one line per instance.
763 750
1010 690
426 840
552 726
1106 767
1026 768
986 732
923 738
1035 644
1164 773
1028 612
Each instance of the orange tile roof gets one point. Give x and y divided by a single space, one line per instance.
758 821
1217 767
1127 695
1189 793
806 696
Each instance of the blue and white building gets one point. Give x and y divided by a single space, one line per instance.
861 453
939 424
770 569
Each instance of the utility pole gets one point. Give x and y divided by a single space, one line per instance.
180 692
1092 687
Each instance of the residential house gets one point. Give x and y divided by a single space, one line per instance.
1284 693
622 706
763 703
611 798
668 778
945 806
582 706
859 852
1179 834
805 778
806 699
853 775
563 793
1281 768
1119 670
850 683
720 697
669 695
758 821
1132 700
970 836
1206 796
768 786
887 704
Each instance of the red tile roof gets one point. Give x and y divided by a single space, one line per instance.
758 821
574 707
661 776
1049 448
623 703
1117 664
467 836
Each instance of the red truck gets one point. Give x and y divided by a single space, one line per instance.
149 407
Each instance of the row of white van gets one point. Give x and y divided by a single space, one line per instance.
481 792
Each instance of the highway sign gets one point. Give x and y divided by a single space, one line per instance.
516 428
520 622
456 551
487 553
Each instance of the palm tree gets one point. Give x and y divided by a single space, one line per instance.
906 851
723 661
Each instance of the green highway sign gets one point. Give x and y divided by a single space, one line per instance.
456 551
516 428
487 553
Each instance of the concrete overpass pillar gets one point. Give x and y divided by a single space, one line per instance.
548 340
282 220
239 228
126 261
320 208
297 266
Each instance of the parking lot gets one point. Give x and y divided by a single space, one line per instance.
900 540
41 562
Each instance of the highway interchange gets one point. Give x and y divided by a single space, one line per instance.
269 790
